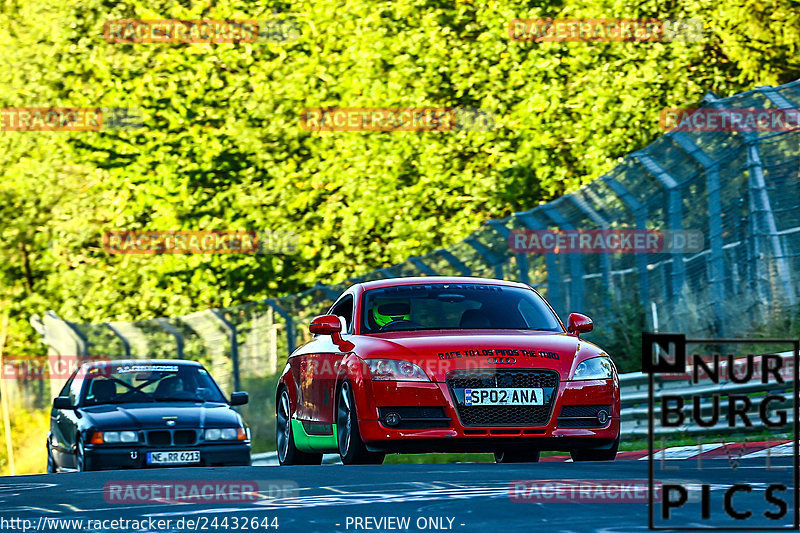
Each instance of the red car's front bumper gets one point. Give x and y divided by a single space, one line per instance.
454 435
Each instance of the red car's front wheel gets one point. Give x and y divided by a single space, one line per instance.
596 455
351 448
288 454
516 456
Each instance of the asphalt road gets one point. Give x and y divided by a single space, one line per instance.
329 498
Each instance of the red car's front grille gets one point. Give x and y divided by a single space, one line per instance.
504 415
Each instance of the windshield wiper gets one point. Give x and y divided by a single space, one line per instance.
173 399
119 401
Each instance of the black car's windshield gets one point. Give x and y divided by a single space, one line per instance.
455 306
148 382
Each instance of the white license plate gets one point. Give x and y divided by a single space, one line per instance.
173 458
503 396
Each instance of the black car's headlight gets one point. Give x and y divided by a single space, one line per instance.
227 434
114 437
594 368
395 370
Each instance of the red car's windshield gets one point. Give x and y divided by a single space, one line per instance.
455 306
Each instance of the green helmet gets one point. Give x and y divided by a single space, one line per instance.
385 311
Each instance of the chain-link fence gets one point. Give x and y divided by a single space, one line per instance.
739 188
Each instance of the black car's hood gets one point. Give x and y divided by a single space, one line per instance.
156 415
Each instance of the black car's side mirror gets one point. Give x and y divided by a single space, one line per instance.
239 398
62 402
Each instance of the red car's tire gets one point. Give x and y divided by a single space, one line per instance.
351 448
596 455
288 454
516 456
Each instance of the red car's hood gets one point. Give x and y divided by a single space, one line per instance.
439 352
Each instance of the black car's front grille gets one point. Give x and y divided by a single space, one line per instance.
184 436
582 416
159 438
504 415
167 437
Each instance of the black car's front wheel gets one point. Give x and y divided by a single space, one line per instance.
80 456
288 454
351 448
51 463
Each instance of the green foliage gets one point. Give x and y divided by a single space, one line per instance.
222 146
622 338
28 435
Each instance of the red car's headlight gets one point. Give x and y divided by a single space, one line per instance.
594 368
393 370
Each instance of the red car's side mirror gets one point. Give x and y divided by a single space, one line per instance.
579 323
330 325
325 325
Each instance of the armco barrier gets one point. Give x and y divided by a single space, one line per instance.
634 395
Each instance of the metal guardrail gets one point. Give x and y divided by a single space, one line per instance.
635 396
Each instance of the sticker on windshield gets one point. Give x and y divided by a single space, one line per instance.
146 368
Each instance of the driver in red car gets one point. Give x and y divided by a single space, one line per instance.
386 311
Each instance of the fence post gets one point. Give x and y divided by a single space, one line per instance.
422 267
575 260
640 214
126 345
55 328
172 330
761 206
290 332
605 261
714 227
675 212
4 399
522 257
231 330
554 293
487 256
454 262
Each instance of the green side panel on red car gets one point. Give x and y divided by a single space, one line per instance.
313 443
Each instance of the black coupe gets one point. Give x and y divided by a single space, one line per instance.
142 414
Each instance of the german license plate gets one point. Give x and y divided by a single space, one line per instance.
504 396
173 458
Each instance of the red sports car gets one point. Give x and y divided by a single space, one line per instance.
436 364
